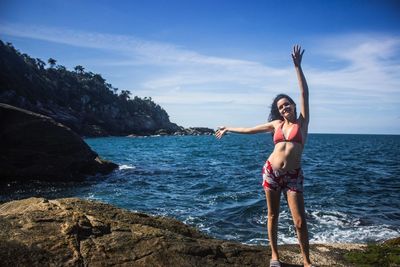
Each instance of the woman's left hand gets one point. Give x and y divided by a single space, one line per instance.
297 55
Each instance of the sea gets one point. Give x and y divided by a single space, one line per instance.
351 187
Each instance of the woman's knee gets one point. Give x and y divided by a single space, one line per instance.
299 223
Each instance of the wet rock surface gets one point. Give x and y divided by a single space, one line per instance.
75 232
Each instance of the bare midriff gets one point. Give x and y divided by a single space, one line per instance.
286 156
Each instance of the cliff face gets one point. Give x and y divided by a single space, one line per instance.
81 100
34 146
75 232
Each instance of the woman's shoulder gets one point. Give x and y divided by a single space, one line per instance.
276 123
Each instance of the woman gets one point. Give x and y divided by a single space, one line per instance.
282 172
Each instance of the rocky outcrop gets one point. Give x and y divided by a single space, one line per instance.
79 99
75 232
34 146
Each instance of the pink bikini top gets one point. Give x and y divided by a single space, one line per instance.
294 135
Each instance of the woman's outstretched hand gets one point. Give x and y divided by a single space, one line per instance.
297 55
220 132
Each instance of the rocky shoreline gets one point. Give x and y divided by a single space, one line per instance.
78 232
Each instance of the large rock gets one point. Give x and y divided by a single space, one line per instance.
34 146
74 232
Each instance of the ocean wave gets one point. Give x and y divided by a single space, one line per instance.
354 234
126 167
327 227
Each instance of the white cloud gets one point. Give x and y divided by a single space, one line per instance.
361 49
369 81
152 52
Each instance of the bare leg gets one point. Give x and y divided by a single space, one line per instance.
296 205
273 202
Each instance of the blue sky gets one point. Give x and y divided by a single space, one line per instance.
213 63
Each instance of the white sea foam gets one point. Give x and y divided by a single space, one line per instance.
91 196
126 167
338 227
198 223
257 241
355 235
326 227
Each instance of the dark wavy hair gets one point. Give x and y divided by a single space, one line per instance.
275 115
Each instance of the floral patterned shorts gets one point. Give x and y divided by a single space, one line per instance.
282 180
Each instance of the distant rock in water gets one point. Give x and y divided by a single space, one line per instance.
34 146
187 131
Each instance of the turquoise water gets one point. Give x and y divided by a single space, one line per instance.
352 184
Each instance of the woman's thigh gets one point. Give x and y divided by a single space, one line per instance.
273 201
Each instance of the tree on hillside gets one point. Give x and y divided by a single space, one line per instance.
125 94
52 62
28 59
98 78
81 99
61 68
79 69
40 63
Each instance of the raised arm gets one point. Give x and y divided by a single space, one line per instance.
267 127
297 56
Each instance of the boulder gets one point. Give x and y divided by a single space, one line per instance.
74 232
34 146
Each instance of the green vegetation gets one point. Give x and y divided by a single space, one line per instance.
80 99
387 254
